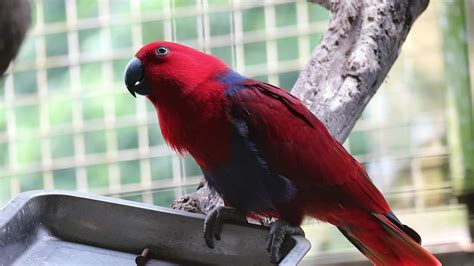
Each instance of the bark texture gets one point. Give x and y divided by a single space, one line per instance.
361 44
357 51
15 19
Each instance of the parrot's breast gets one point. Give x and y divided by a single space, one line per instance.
197 124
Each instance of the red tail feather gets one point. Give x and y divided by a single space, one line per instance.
387 244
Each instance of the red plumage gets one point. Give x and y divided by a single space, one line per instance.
195 110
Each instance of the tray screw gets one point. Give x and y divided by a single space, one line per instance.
141 259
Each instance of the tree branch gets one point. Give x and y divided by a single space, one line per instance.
347 67
357 51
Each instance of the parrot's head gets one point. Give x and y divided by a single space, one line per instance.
161 69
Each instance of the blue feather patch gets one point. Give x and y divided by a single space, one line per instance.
233 80
246 181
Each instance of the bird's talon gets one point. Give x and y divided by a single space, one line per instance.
278 231
215 220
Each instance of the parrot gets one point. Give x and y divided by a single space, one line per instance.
266 154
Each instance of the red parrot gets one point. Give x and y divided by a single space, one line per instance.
266 154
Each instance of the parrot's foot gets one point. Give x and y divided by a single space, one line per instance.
278 231
215 220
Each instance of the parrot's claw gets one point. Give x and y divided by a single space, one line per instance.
215 220
278 231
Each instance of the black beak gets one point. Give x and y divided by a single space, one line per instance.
135 78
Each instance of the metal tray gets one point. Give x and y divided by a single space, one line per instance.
64 228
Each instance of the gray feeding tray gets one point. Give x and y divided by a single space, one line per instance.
64 228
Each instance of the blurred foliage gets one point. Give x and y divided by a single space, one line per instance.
3 154
459 95
123 106
130 172
253 19
161 168
97 175
92 108
91 75
58 79
152 31
190 167
360 141
28 152
287 49
127 138
56 44
317 13
121 37
134 197
95 142
287 79
54 11
164 197
25 82
255 53
220 23
27 117
152 6
62 146
119 7
288 12
185 28
5 188
224 53
90 42
3 118
65 179
87 8
154 135
31 181
60 112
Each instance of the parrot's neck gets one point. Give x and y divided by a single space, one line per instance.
196 123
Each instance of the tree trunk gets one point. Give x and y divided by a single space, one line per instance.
361 44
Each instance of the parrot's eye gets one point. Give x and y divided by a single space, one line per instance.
162 51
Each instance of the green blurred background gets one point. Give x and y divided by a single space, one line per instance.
67 121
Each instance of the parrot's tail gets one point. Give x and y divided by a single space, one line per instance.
386 241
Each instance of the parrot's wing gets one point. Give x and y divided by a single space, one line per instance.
245 181
298 146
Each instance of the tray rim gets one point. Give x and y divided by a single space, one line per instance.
15 205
